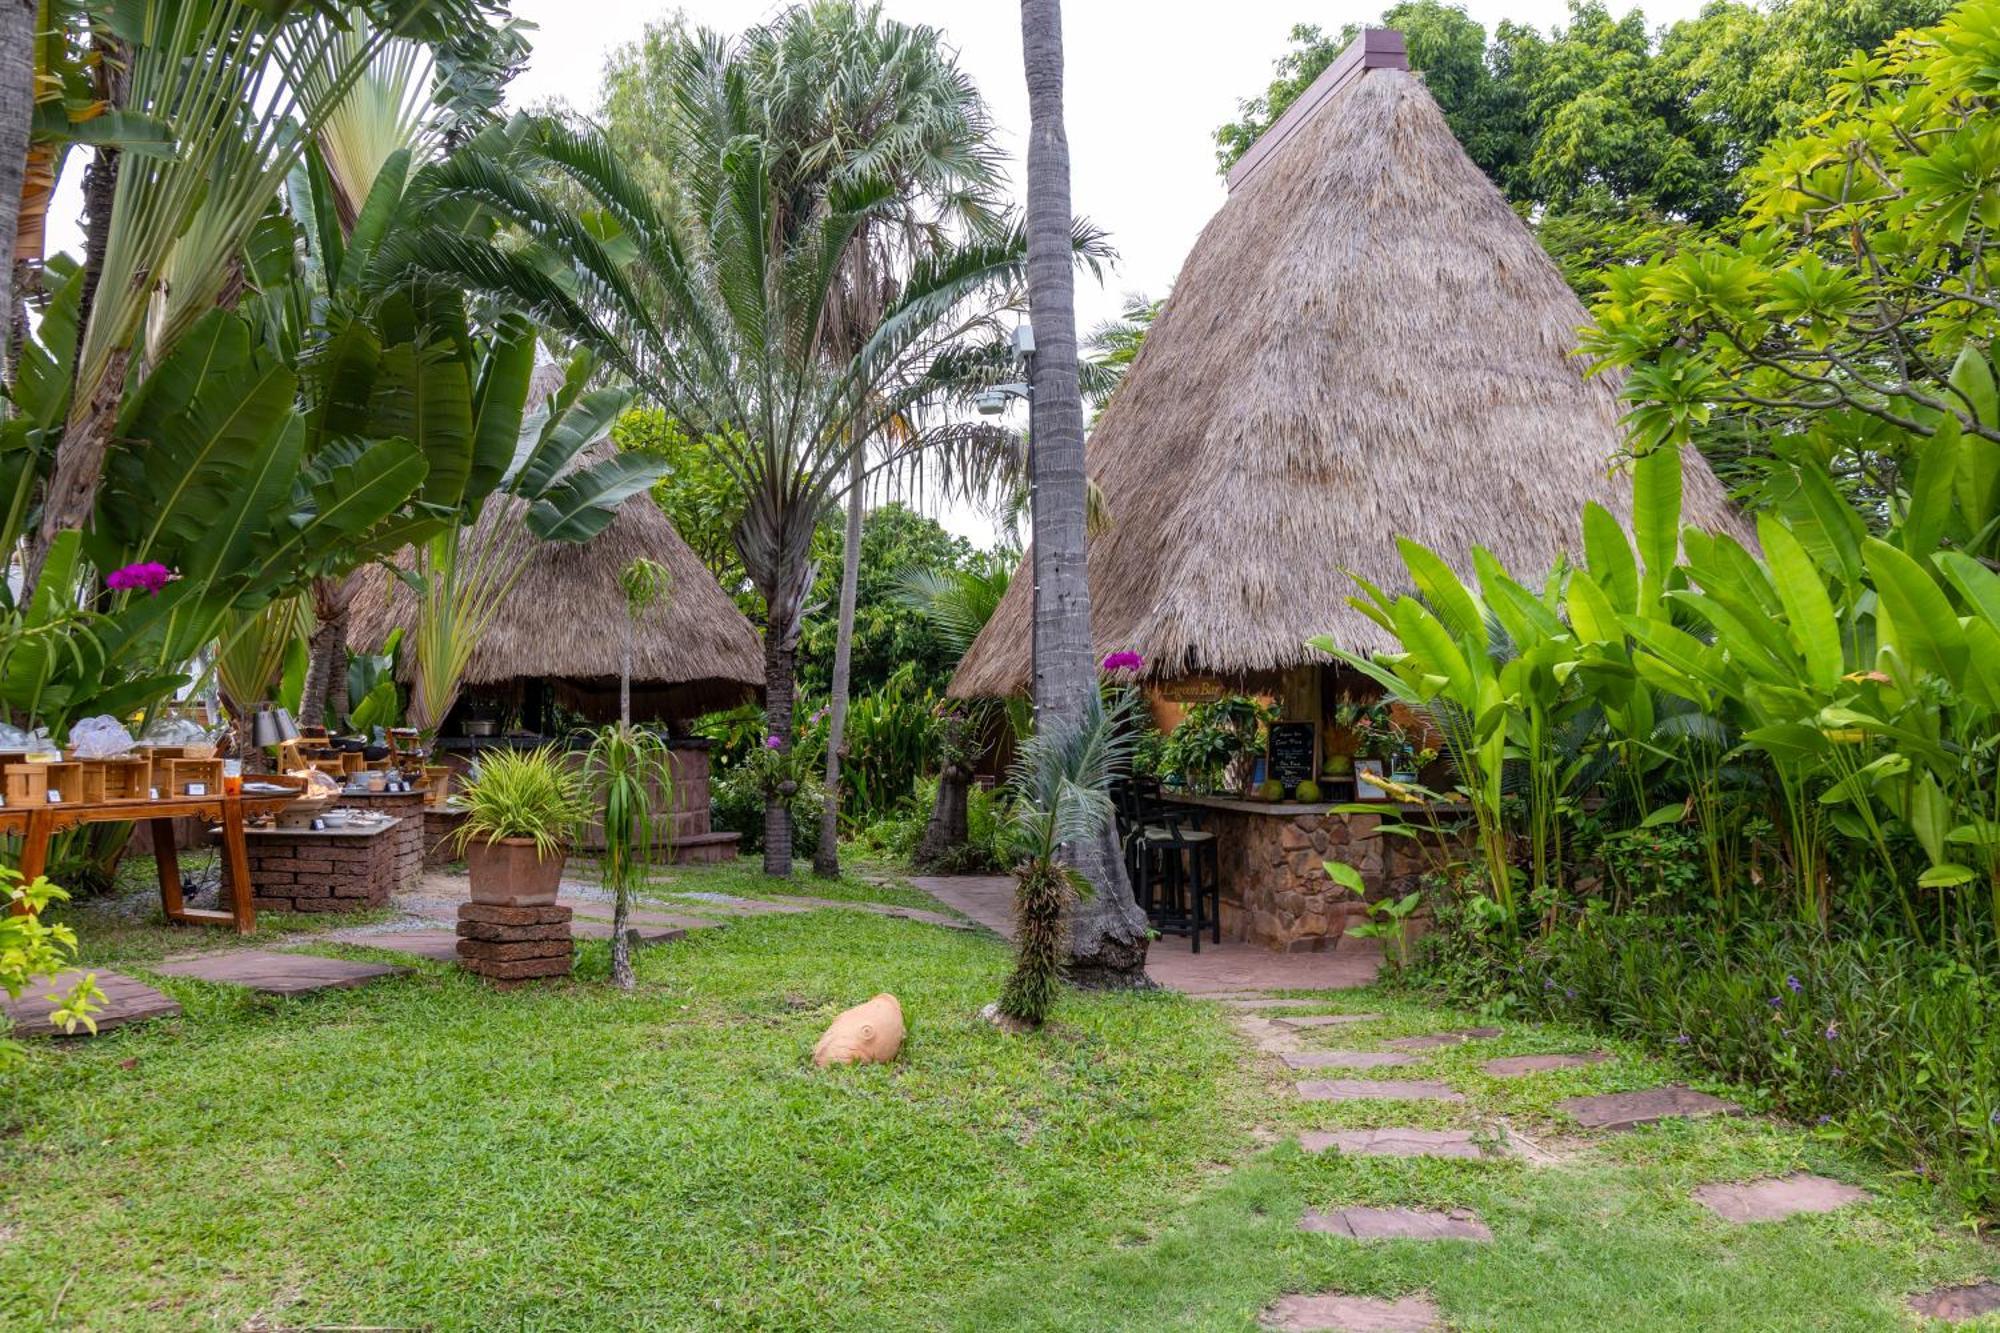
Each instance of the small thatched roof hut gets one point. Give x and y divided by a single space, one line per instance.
1365 342
564 623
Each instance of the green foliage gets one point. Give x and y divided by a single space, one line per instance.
33 951
1852 321
736 805
891 740
890 635
1890 1040
624 770
1061 785
536 794
1213 738
698 493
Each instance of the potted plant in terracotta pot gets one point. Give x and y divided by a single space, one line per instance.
522 810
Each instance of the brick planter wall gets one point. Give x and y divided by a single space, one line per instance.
407 808
1274 889
440 822
299 870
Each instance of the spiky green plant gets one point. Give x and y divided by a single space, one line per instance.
534 794
1062 781
625 767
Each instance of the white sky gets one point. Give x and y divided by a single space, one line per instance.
1147 83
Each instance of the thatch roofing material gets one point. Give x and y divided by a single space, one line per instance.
565 621
1365 342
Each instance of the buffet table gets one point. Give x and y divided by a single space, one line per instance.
36 824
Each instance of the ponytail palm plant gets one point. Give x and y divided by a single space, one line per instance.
723 309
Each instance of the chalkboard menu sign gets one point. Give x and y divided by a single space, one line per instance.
1293 757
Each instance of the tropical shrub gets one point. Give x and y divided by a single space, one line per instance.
536 794
736 805
33 951
623 769
1215 738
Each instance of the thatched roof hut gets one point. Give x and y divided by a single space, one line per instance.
564 623
1365 342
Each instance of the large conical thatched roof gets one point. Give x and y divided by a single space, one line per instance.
1365 342
565 621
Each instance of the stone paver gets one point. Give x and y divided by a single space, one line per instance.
1346 1059
1457 1143
1249 1006
593 928
1514 1066
1333 1312
1955 1305
645 916
1377 1089
277 973
1324 1021
1431 1041
1626 1110
1396 1224
125 1001
1778 1198
439 945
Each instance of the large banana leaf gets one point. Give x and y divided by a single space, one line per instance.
581 505
423 394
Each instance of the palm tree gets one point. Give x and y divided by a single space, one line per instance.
1107 934
723 307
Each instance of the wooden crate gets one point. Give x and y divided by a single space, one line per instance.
67 778
172 776
128 778
27 784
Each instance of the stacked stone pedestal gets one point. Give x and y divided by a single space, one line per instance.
514 944
325 870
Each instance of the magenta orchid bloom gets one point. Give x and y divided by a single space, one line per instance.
149 575
1122 661
773 743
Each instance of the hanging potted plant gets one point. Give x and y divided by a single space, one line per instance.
522 810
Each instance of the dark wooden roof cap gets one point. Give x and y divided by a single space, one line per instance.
1375 48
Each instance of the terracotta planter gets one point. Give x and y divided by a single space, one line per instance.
510 873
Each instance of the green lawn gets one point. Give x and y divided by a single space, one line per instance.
428 1152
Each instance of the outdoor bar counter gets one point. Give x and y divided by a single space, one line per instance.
1271 855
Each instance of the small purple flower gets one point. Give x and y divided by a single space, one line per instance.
774 743
816 718
1993 1119
150 575
1824 1120
1838 1072
1833 1032
1569 992
1122 661
1548 985
1777 1001
1792 984
1683 1039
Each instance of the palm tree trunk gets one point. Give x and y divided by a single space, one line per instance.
625 673
621 938
1107 934
323 700
780 666
17 114
826 857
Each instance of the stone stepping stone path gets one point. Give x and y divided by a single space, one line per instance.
1333 1312
1514 1066
1346 1059
1396 1224
125 1001
277 973
1457 1143
1432 1041
1778 1198
1627 1110
1324 1021
437 945
1378 1089
1955 1305
1264 1002
642 933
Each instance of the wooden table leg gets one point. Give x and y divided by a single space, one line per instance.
167 857
240 891
34 854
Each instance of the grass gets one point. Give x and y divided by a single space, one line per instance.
429 1152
